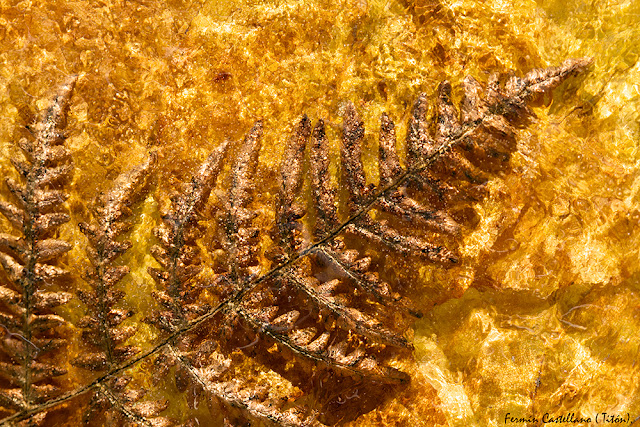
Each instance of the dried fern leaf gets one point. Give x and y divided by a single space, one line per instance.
322 314
103 333
30 262
177 251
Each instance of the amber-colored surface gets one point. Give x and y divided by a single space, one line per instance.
543 314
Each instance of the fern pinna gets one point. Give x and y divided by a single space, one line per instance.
266 326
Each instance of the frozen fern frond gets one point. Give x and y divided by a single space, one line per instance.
261 313
30 287
113 401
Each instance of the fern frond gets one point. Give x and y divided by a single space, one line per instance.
317 314
177 251
29 261
103 331
240 235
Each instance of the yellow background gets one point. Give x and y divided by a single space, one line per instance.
548 290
